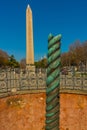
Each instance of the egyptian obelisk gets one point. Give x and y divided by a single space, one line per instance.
29 38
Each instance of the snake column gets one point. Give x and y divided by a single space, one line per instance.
53 83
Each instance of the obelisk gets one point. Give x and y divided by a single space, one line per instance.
29 38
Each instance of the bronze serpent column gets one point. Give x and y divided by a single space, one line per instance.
53 82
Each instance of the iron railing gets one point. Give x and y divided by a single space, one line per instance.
75 82
23 80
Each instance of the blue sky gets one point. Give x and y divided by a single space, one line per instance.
66 17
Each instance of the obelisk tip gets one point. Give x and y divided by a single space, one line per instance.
28 6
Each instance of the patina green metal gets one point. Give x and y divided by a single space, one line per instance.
53 83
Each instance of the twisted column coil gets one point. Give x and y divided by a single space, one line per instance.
53 83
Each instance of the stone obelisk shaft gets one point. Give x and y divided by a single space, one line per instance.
29 37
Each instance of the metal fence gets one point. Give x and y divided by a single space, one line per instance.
19 80
23 80
74 82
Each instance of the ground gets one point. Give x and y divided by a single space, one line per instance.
27 112
22 112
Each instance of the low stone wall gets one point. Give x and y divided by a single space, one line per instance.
73 111
23 112
27 111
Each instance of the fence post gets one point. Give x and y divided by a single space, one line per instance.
53 83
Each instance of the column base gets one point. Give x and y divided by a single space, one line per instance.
30 67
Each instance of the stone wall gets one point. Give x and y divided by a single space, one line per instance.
27 112
73 112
